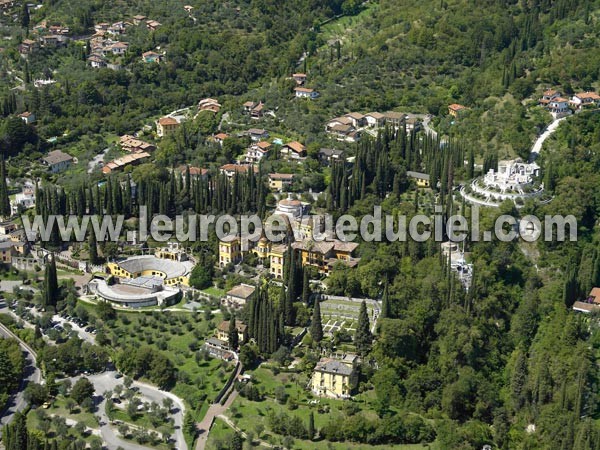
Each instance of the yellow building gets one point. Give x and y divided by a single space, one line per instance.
7 251
280 181
230 252
333 378
223 331
261 250
276 258
422 179
166 126
173 272
323 255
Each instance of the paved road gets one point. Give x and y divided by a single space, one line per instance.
216 409
32 374
106 382
537 146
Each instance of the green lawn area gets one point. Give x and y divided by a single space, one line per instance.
220 432
179 336
244 413
214 291
35 417
141 420
59 408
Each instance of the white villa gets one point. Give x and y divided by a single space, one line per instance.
514 180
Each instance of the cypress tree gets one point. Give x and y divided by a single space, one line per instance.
305 286
363 337
93 247
50 283
4 200
233 338
316 326
311 426
385 303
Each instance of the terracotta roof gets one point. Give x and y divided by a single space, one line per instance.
194 171
375 115
595 294
394 115
239 168
550 92
355 115
302 89
224 326
263 145
281 176
296 146
242 291
343 120
299 75
342 128
221 136
590 94
167 121
322 247
456 107
342 246
559 99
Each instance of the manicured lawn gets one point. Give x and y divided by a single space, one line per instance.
246 414
220 431
59 408
180 337
215 292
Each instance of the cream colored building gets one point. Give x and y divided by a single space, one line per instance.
333 378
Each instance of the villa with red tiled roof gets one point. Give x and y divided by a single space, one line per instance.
294 149
166 125
455 109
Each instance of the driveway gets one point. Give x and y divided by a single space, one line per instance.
31 374
107 382
216 409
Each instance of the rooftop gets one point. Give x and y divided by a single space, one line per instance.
333 366
242 291
56 157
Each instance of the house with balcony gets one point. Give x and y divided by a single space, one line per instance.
333 378
585 100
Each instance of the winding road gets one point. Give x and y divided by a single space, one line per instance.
537 146
32 374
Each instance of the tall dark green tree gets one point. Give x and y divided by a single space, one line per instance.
24 18
4 200
316 326
305 286
363 338
385 302
51 291
232 335
93 246
311 426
